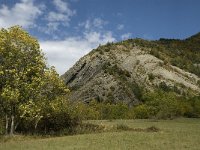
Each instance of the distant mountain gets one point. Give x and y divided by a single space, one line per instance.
125 70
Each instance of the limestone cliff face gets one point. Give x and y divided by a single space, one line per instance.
120 72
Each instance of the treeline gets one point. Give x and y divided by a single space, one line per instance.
156 105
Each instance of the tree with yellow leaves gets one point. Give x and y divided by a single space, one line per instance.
27 86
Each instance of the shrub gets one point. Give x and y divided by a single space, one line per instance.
56 118
163 86
123 127
198 82
141 111
163 105
85 128
152 129
151 77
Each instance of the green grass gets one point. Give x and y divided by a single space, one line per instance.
178 134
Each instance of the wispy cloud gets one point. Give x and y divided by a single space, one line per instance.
120 26
60 53
126 36
26 12
23 13
93 23
64 53
61 16
62 6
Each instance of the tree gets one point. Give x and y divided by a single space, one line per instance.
26 84
163 104
49 93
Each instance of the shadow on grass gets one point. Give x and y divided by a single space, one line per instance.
84 128
122 127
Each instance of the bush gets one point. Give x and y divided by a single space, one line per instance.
151 77
198 82
123 127
163 105
152 129
85 128
113 111
56 118
163 86
193 107
141 111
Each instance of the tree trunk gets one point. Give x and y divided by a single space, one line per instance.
12 126
16 125
6 132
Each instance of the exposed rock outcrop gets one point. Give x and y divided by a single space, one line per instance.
122 72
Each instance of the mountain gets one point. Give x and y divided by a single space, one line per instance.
124 71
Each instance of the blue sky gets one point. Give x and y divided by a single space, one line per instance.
69 29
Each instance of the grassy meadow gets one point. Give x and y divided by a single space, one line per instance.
177 134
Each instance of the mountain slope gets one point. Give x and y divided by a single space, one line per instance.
125 70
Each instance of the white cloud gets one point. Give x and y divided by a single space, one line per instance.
63 13
23 13
63 7
99 23
56 17
61 16
120 27
93 23
126 36
50 28
63 54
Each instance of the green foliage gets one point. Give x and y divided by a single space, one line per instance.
137 90
192 107
87 112
21 63
28 89
163 105
58 116
95 110
158 104
151 77
163 86
116 71
155 53
113 111
123 127
198 82
141 111
86 128
184 54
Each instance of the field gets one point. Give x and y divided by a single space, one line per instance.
178 134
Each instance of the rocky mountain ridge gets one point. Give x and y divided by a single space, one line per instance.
123 71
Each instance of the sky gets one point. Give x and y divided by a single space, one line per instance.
69 29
